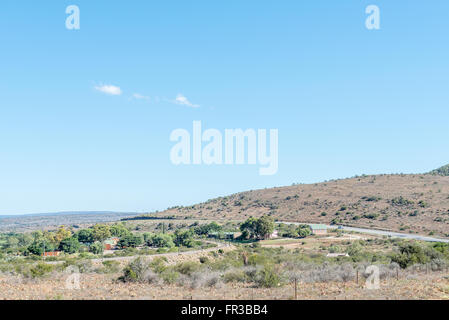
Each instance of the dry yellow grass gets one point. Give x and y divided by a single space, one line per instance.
104 287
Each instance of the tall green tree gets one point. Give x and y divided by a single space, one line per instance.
131 241
304 230
257 228
38 247
161 240
70 245
184 238
264 227
248 228
96 248
85 236
101 232
119 230
207 228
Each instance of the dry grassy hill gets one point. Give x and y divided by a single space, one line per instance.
406 203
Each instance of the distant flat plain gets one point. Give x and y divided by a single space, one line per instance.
45 221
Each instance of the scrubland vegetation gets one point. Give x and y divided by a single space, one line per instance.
272 267
150 253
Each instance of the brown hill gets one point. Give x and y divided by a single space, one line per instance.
405 203
443 171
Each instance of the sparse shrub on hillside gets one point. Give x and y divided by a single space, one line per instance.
423 204
139 271
386 271
371 216
335 249
84 266
355 249
443 248
413 253
109 267
336 221
325 272
269 277
39 270
235 275
204 259
169 276
439 264
401 201
257 259
204 279
158 264
187 268
413 214
371 199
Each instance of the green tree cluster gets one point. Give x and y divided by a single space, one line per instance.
257 228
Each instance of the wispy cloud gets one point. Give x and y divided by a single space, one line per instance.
139 96
109 89
182 100
117 91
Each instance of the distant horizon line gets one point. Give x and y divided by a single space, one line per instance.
69 212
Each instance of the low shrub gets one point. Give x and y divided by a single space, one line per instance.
139 271
40 270
268 277
170 276
109 267
235 275
187 268
204 279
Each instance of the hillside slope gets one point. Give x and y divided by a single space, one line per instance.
404 203
443 171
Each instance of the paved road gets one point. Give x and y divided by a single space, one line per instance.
380 232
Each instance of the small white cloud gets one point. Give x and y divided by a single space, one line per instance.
139 96
109 89
182 100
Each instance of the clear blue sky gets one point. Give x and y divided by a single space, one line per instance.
346 100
